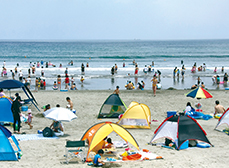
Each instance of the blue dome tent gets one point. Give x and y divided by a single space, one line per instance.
6 114
6 150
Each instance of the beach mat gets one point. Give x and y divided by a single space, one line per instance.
27 137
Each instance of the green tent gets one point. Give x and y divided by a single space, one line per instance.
112 107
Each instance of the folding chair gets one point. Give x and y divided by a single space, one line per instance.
75 149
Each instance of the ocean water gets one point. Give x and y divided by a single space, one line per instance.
102 55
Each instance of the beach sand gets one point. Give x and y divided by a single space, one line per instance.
50 153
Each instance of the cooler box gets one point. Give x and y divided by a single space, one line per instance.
24 108
171 113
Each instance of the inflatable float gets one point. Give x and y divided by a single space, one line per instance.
64 90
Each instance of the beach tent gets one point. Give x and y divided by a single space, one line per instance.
6 114
14 84
136 116
99 131
112 107
7 152
179 129
224 119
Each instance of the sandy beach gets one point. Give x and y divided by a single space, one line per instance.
50 153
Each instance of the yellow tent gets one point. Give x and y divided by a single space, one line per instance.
98 132
136 116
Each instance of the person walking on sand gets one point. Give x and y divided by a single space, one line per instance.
30 119
70 104
154 80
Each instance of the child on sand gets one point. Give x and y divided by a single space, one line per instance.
97 159
30 118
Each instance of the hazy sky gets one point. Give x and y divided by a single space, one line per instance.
114 19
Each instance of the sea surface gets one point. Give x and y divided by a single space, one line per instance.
102 55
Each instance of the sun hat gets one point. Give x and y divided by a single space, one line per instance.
29 111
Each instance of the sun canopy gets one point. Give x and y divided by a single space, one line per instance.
13 84
98 132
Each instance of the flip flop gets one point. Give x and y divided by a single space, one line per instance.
155 120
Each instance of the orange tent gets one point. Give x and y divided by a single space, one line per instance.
98 132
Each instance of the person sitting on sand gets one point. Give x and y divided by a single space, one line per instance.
219 109
73 87
189 108
99 146
97 162
109 143
129 86
116 90
202 85
57 127
194 86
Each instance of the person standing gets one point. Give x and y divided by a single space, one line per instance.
66 81
15 108
59 81
116 68
112 70
116 90
2 93
154 80
13 74
20 76
82 68
225 78
136 70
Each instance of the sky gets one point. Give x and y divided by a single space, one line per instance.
114 19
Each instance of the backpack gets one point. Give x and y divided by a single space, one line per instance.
48 132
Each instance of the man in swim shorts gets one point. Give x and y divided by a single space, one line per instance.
219 109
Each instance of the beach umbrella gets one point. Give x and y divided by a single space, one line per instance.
60 114
199 93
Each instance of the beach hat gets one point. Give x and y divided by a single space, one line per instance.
29 111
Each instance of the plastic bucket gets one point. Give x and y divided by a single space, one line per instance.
171 113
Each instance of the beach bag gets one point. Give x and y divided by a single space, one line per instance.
48 132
